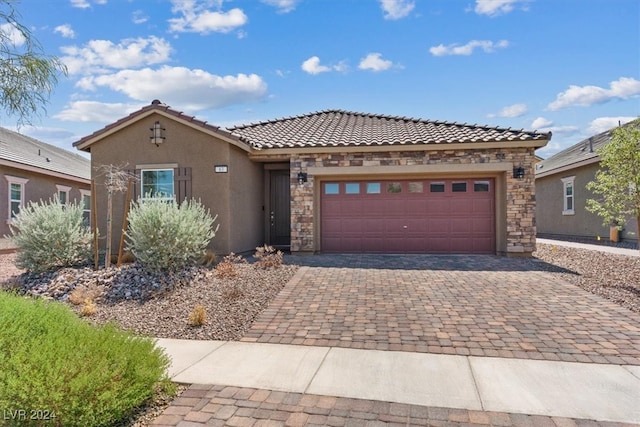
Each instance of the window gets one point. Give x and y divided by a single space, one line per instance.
459 187
16 195
481 186
86 207
352 188
416 187
436 187
568 195
394 187
63 194
157 183
373 188
332 188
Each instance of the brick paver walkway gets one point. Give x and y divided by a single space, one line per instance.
479 306
232 406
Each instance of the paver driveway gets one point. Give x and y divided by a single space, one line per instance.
465 305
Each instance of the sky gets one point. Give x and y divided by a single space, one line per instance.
571 67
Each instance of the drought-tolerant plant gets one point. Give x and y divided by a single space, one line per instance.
64 371
208 259
268 257
165 236
50 235
81 293
89 307
227 267
198 316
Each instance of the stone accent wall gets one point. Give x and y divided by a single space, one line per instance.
520 194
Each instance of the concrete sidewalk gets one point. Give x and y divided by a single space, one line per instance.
558 389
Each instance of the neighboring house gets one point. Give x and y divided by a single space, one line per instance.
334 181
31 170
561 193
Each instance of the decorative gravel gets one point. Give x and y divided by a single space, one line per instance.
161 305
614 277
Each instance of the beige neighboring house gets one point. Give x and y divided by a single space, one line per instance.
334 181
562 195
31 170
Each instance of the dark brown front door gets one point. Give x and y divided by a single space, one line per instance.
279 205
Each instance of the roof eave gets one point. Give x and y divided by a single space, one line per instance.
44 171
85 144
568 167
400 147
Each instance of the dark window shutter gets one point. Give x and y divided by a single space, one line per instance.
182 183
137 183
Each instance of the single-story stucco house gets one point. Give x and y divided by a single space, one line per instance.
31 170
562 196
334 181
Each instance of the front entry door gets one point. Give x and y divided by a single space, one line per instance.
280 213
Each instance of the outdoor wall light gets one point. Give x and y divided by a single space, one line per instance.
518 172
157 134
302 178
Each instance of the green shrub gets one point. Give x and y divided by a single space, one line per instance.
163 235
50 235
67 372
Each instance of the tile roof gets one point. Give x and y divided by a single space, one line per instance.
21 149
339 128
583 151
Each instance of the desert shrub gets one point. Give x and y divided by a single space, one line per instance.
198 316
81 293
227 267
166 236
50 235
268 257
208 259
63 367
89 308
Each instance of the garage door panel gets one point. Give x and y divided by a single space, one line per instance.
410 222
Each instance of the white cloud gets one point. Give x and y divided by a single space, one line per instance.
65 31
467 49
374 62
85 4
139 17
104 55
197 18
312 66
540 123
584 96
93 111
283 6
12 34
497 7
192 89
396 9
515 110
603 124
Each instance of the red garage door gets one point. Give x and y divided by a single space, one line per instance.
409 216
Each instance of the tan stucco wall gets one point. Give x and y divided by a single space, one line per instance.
187 147
550 203
39 187
515 199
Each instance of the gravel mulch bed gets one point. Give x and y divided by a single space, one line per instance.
612 276
160 305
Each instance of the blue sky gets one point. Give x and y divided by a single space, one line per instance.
567 66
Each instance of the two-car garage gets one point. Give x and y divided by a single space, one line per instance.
409 216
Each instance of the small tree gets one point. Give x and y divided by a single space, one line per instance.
27 75
617 183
